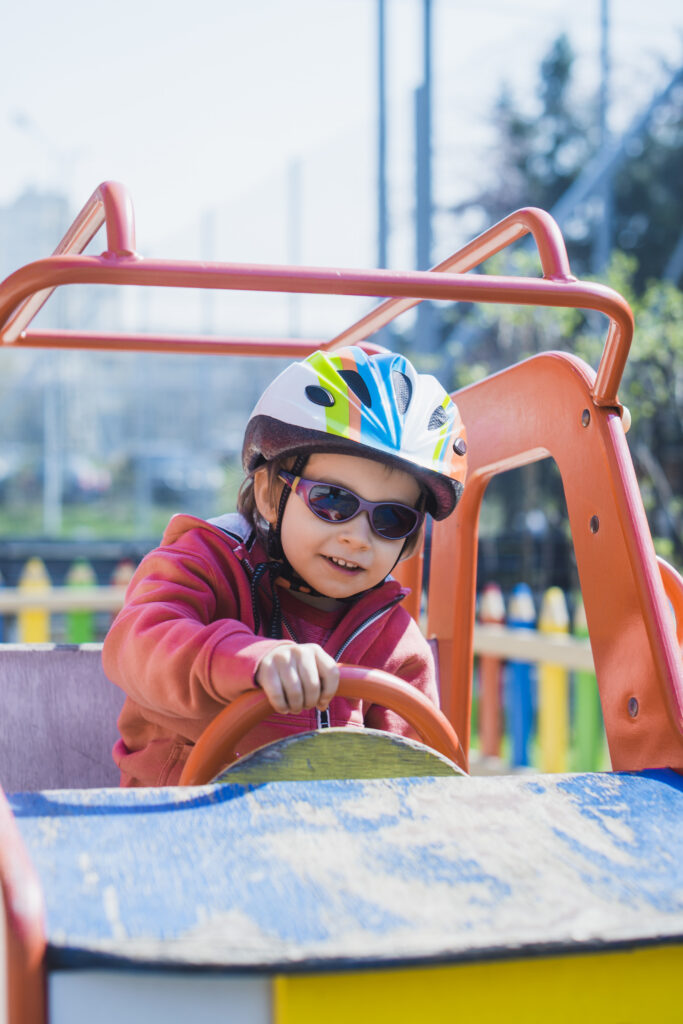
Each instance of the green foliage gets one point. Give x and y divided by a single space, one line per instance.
541 150
652 386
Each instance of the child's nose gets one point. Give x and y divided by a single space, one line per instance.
358 530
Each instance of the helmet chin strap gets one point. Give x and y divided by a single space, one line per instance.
288 575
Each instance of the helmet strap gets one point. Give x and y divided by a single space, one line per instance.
274 539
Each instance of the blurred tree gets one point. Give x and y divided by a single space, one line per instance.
541 151
652 388
539 154
648 201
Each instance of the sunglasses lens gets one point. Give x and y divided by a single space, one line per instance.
394 521
332 503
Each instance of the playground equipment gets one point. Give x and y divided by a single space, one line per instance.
410 890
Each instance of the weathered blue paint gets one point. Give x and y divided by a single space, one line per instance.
402 870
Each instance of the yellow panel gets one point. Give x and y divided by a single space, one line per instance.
630 987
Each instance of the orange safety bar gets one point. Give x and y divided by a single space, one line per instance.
24 927
553 405
25 291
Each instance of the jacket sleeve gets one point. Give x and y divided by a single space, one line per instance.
402 650
178 647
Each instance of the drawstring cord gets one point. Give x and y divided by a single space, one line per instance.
273 569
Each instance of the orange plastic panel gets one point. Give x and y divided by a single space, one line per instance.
543 407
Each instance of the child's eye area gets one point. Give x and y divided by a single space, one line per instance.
333 503
393 521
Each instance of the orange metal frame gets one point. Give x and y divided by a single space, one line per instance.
552 405
23 925
510 422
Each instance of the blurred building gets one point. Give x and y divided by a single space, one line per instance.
75 425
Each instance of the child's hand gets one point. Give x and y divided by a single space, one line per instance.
298 676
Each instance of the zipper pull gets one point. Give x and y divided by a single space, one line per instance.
322 719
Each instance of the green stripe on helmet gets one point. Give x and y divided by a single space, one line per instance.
337 416
443 433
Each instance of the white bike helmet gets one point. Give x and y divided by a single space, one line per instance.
359 404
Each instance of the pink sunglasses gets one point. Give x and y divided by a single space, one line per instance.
333 504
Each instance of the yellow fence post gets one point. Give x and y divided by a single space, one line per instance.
553 689
33 622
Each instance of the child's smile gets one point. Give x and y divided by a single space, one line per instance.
344 564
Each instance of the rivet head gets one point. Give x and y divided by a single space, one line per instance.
585 417
594 524
460 446
633 707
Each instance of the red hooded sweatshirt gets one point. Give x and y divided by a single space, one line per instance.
183 646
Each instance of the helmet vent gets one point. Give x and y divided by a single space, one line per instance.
438 418
355 383
319 396
403 390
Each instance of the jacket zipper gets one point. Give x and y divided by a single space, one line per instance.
364 625
324 716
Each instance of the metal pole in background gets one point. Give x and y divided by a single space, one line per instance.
426 325
205 378
382 218
602 246
294 240
53 443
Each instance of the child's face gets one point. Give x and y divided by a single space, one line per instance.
343 559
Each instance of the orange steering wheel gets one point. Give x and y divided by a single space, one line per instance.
215 748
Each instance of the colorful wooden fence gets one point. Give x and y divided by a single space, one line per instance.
536 698
78 612
545 707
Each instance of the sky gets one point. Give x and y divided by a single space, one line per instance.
246 130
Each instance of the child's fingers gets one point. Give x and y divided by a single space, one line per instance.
268 678
309 676
328 673
298 676
289 668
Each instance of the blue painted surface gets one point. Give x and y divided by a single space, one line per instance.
397 869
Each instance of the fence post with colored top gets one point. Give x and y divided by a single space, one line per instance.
80 623
553 689
589 732
122 575
33 621
491 612
520 679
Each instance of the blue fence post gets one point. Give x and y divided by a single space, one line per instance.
520 679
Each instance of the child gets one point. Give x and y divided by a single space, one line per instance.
345 453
